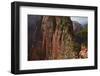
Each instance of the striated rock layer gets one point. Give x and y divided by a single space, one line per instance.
58 38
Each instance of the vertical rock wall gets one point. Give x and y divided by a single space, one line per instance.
58 42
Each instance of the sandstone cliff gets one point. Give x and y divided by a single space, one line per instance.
58 38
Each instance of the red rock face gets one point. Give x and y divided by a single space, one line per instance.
83 53
58 40
54 37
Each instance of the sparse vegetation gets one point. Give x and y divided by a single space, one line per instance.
56 39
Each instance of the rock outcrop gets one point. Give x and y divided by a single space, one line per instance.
58 38
51 37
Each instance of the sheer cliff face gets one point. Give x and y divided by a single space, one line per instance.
57 38
51 37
